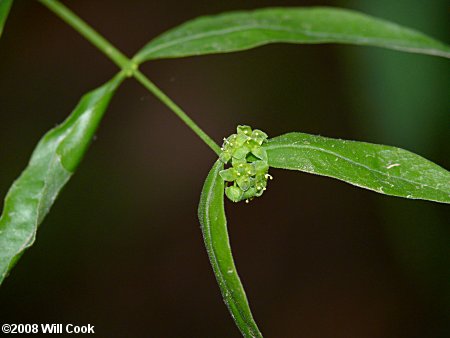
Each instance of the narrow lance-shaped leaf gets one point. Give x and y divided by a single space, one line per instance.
5 6
235 31
52 164
384 169
211 214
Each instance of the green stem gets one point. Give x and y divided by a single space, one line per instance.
128 66
177 110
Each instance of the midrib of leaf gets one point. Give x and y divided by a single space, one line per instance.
213 252
348 160
54 160
51 165
323 34
266 20
57 159
41 212
43 195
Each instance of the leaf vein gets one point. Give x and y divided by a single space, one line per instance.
348 160
306 32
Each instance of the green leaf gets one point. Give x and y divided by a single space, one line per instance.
52 164
384 169
235 31
5 6
211 214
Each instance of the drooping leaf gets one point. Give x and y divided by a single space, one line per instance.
5 6
384 169
53 162
235 31
211 214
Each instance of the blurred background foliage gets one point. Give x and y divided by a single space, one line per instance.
122 248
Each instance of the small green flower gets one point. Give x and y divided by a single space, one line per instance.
234 193
249 169
259 136
229 175
244 183
241 153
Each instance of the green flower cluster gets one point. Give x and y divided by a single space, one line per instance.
249 167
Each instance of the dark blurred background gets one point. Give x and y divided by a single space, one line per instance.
122 247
